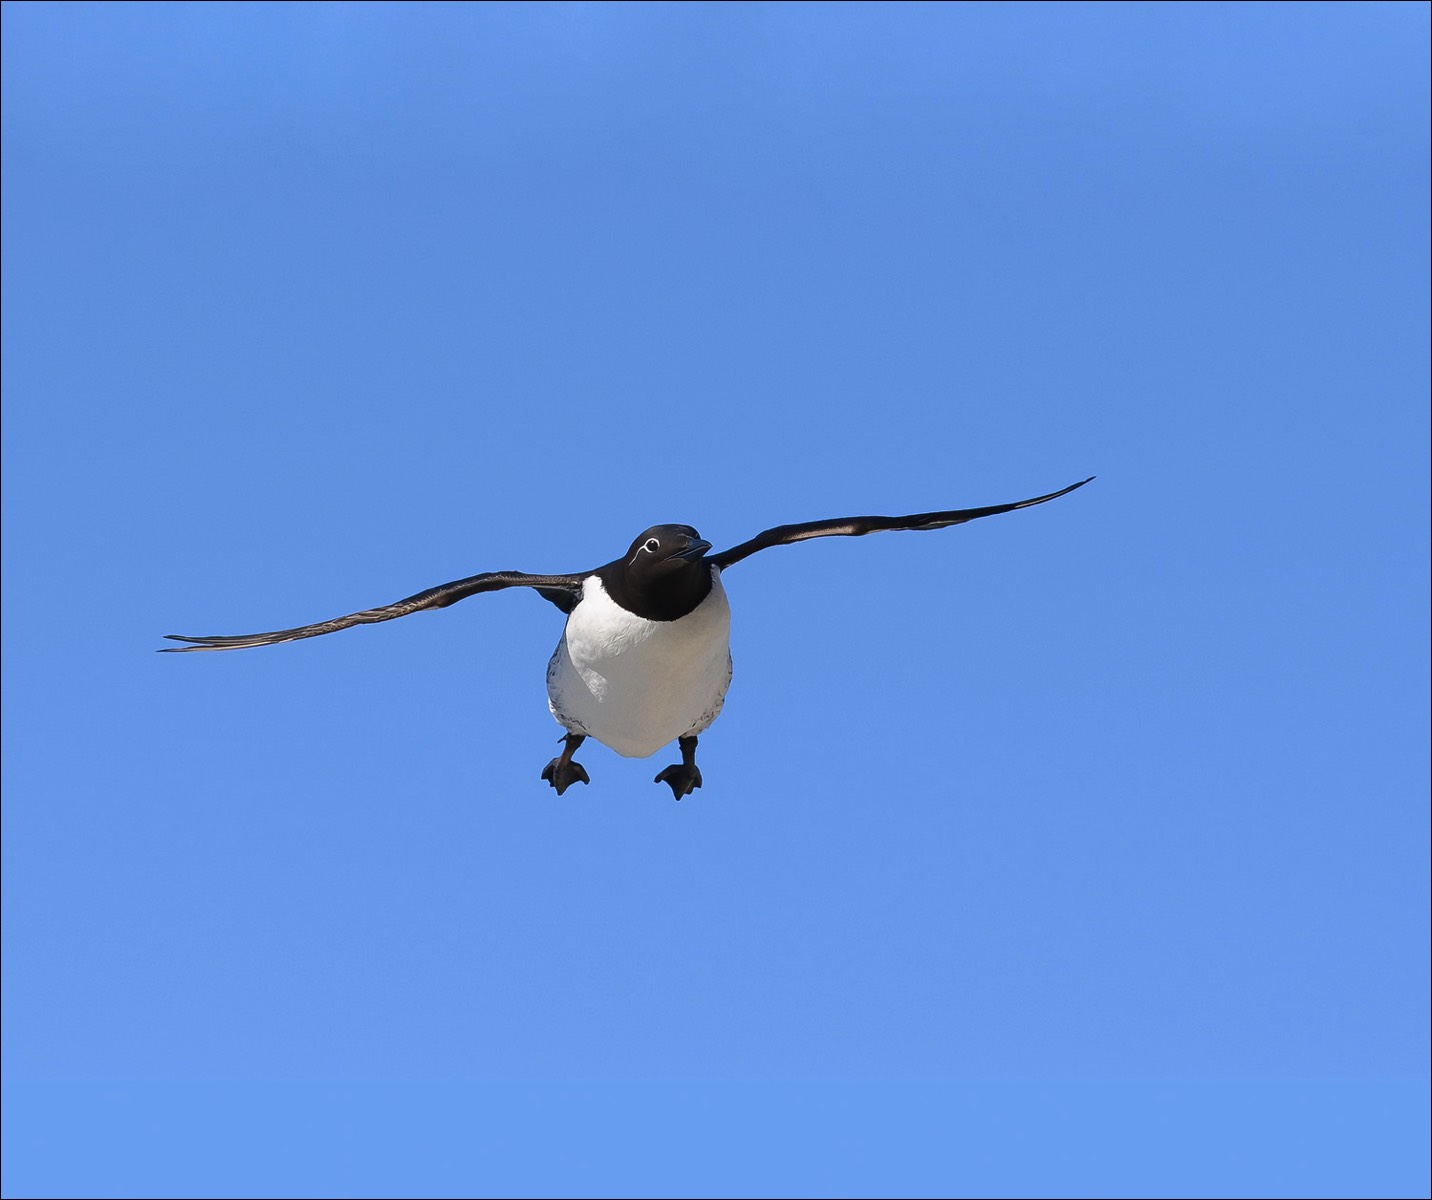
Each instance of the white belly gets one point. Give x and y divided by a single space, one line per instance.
634 684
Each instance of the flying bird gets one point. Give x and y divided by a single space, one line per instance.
645 657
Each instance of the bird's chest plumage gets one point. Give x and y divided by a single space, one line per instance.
635 684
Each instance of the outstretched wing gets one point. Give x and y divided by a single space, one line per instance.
784 535
563 590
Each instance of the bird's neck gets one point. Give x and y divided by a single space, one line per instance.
668 598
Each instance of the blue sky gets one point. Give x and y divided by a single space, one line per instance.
1078 851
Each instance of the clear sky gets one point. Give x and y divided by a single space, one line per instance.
1080 851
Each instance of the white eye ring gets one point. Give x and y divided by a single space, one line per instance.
652 546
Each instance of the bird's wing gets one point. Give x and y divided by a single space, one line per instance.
784 535
562 590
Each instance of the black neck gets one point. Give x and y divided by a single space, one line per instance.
665 599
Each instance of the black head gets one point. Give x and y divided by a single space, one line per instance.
663 575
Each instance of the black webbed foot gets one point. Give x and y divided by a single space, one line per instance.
562 775
684 780
685 776
562 772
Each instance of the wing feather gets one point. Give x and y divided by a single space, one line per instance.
562 590
785 535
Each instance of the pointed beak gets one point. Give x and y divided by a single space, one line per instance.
697 548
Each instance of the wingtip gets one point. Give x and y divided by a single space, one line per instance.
195 643
1064 491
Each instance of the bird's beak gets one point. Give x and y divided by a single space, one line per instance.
697 548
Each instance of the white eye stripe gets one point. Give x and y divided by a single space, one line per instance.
650 546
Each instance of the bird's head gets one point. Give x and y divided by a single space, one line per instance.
664 551
663 575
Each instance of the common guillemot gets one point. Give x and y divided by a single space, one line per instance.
645 656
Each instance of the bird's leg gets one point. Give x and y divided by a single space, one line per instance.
562 772
684 777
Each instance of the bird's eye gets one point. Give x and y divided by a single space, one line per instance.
652 545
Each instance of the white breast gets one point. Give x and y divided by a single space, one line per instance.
635 684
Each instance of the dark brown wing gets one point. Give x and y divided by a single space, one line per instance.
784 535
562 590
